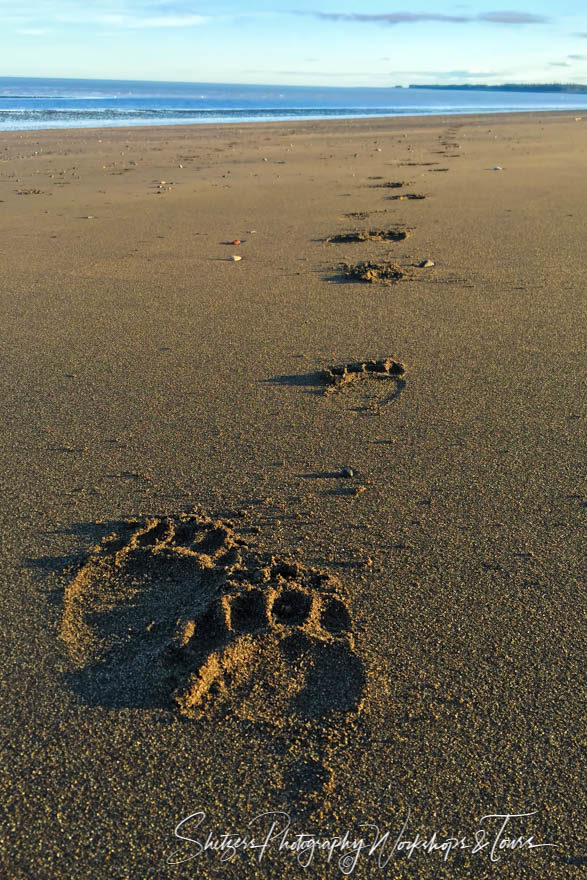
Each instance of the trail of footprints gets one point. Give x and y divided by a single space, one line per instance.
183 612
387 272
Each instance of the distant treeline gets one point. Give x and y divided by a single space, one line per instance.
514 87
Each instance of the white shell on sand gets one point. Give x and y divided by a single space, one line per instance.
235 258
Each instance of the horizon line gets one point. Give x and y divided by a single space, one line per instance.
296 85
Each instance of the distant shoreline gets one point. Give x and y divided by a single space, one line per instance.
558 88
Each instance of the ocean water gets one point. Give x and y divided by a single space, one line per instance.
74 103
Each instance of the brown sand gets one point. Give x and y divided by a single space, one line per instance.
343 645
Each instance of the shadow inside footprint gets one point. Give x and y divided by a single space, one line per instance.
336 677
335 617
292 608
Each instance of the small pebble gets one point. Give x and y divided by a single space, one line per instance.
347 472
425 264
235 258
237 241
497 168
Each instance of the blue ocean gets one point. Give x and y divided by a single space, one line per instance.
75 103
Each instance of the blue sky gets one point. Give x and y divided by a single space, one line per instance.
300 42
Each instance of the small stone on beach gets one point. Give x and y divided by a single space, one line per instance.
425 264
347 472
235 258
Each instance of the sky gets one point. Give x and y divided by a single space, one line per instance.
297 42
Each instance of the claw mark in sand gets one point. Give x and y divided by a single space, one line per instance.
181 612
403 196
376 372
385 368
371 235
388 273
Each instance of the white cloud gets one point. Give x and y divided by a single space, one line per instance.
32 31
34 17
135 20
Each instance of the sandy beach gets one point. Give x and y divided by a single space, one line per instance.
279 540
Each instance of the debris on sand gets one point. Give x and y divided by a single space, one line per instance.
374 272
426 264
370 235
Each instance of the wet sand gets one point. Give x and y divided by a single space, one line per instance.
278 539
